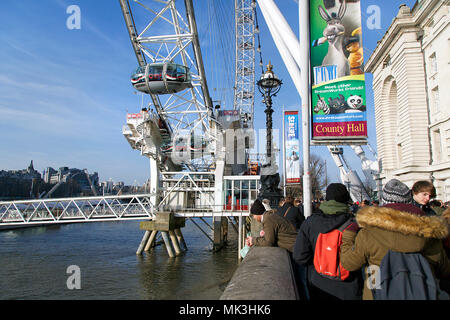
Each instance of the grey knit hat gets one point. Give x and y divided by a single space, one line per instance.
396 191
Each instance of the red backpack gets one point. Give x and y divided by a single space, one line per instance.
327 254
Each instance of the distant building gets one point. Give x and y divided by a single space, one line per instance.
411 74
26 174
82 177
20 184
110 187
47 174
28 183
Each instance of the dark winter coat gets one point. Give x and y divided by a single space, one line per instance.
278 232
331 216
425 208
383 229
294 215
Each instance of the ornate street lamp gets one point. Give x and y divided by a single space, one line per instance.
269 85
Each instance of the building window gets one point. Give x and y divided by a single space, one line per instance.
435 99
240 194
437 146
433 64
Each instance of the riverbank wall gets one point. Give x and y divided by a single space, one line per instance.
266 273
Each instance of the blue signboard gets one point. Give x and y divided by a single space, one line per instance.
292 147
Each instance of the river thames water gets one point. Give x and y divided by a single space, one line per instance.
34 264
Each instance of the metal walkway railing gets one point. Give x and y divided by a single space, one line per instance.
102 208
80 209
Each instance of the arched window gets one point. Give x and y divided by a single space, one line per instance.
390 124
397 128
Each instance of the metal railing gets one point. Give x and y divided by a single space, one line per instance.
105 208
80 209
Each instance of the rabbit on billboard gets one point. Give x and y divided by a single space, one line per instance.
335 34
352 18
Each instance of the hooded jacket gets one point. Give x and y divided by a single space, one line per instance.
292 213
332 215
278 232
384 229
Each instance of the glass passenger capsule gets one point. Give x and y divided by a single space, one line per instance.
161 78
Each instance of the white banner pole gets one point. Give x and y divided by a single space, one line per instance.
284 154
303 6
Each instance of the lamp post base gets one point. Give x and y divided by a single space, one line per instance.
269 189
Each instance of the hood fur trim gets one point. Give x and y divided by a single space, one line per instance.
403 222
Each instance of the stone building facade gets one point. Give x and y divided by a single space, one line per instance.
411 77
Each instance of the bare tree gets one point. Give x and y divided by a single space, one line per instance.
319 179
373 194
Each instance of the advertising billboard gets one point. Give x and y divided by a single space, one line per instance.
292 147
338 96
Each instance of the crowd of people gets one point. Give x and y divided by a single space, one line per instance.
347 251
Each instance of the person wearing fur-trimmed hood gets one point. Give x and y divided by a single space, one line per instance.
397 226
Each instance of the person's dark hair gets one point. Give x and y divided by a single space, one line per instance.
424 186
289 199
366 202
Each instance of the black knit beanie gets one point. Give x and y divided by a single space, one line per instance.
257 208
337 192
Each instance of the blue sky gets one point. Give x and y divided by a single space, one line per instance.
64 93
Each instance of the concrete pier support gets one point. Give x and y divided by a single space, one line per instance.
175 243
220 226
167 224
180 238
143 242
168 244
151 240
